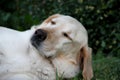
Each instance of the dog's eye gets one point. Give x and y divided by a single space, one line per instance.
65 34
52 22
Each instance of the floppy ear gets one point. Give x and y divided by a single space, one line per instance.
86 62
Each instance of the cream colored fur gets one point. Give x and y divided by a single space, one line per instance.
19 60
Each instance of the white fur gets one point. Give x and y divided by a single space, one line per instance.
19 60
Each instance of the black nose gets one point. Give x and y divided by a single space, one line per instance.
40 34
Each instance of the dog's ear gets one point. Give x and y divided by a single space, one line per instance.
86 62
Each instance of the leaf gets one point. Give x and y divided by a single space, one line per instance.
117 36
103 44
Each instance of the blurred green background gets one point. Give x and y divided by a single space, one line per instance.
101 18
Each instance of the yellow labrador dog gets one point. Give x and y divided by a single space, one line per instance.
59 44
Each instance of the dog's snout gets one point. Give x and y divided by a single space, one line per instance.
41 34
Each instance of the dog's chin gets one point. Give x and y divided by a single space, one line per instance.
42 52
50 54
39 46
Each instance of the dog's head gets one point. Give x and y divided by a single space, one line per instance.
62 35
57 34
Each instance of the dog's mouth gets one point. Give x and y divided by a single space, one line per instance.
38 40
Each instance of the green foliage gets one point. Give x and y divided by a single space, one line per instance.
106 69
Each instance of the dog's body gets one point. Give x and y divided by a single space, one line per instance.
59 45
19 60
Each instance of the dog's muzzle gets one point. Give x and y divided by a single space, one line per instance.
38 37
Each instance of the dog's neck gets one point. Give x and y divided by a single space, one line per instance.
65 66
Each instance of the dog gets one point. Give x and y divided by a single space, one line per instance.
58 45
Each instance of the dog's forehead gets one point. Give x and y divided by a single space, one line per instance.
62 23
60 18
64 19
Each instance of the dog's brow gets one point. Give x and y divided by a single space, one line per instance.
51 17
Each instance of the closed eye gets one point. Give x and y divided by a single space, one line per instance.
53 22
66 35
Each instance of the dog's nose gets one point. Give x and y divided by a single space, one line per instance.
41 34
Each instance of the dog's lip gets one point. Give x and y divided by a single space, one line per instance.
34 42
47 57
